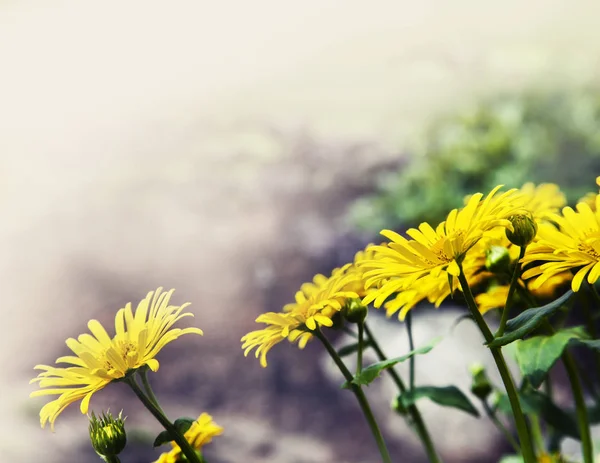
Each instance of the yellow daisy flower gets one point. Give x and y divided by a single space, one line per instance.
590 198
543 200
316 304
575 245
100 359
494 298
435 252
200 433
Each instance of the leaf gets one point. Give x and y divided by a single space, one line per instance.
528 320
352 348
537 403
447 396
368 374
181 424
511 459
537 355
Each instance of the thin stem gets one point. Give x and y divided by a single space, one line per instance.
514 284
111 459
580 408
414 412
507 434
590 322
536 433
359 352
149 391
360 396
522 431
185 446
411 347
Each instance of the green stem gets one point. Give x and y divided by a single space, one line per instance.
148 389
411 347
414 412
522 431
111 459
514 284
581 410
360 396
536 433
507 434
590 322
359 352
185 446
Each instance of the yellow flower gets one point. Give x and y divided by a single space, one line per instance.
574 246
316 304
198 435
100 359
543 200
591 198
494 298
548 288
435 252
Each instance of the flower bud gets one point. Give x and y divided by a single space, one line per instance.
480 385
398 407
497 259
354 311
524 227
108 434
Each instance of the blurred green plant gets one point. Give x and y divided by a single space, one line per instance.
510 139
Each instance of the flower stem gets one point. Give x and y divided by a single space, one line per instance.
514 284
111 459
360 396
185 446
411 347
581 410
417 419
359 352
148 389
494 418
522 431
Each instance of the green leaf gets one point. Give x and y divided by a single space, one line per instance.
511 459
537 403
537 355
181 424
368 374
352 348
528 320
447 396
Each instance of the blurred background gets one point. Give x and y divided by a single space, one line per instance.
232 150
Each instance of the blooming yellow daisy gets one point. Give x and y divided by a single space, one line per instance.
200 433
435 252
315 305
575 245
100 359
542 200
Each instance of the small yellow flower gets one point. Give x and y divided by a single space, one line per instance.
543 200
575 245
316 304
200 433
100 359
591 199
494 298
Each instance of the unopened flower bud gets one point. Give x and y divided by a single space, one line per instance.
480 385
497 259
107 434
354 311
525 229
398 407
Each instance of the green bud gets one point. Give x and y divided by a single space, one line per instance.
354 311
480 384
108 434
497 259
397 406
525 229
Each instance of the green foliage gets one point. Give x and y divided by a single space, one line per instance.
529 320
537 403
537 355
447 396
370 373
510 140
181 424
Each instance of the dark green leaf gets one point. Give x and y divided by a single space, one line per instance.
537 403
528 320
352 348
368 374
447 396
537 355
181 424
